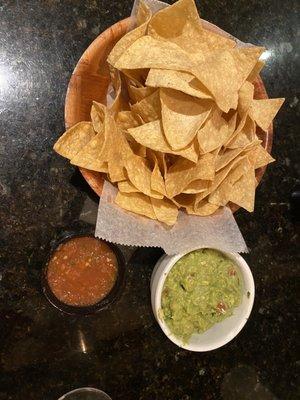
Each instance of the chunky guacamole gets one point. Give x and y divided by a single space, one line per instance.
201 289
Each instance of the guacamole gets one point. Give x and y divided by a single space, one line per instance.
201 289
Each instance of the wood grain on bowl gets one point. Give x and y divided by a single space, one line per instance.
90 81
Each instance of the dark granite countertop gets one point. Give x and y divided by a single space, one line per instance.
122 350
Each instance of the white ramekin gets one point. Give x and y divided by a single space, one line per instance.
222 332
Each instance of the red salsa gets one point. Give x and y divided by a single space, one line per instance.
82 271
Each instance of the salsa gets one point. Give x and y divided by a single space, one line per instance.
201 289
82 271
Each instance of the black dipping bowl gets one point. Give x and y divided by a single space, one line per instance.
112 296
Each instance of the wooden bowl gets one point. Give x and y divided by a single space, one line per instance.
90 80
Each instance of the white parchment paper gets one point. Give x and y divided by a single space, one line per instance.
190 232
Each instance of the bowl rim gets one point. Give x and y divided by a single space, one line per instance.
245 273
86 389
111 297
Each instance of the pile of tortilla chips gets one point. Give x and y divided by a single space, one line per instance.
181 132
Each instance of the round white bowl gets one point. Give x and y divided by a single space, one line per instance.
219 334
85 392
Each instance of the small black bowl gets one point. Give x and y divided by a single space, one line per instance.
112 296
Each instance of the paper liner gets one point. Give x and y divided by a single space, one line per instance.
190 232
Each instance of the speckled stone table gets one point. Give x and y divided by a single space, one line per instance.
122 350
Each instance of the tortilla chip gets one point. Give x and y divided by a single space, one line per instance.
126 120
246 93
147 52
214 132
151 135
255 71
157 180
139 93
203 209
259 157
139 175
137 203
180 23
137 148
131 82
214 41
162 163
158 158
120 100
231 117
220 196
182 173
198 186
116 157
136 76
182 116
263 111
178 80
165 211
237 130
218 179
240 141
74 139
185 29
184 200
183 14
115 149
143 17
88 156
149 108
97 116
224 72
245 136
249 130
226 157
127 187
242 192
